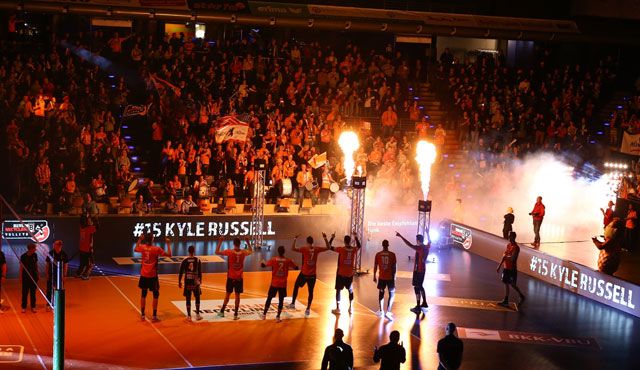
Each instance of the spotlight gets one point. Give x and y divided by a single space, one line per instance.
419 28
487 33
152 14
233 18
424 206
193 17
20 6
520 35
384 27
310 23
347 25
65 9
453 31
109 12
272 21
552 37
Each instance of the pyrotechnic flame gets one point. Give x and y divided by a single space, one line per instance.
349 144
425 156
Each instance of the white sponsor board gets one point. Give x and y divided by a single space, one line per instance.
250 310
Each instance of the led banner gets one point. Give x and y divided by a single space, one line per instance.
232 6
34 230
568 275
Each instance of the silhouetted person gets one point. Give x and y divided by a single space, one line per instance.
507 226
450 349
392 354
339 355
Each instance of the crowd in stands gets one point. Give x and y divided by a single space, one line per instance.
65 102
65 127
504 112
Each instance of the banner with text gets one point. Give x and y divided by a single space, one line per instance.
630 144
568 275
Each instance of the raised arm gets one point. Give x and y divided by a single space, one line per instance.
293 244
249 246
358 245
138 247
168 252
218 246
328 242
408 243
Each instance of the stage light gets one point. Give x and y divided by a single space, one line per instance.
193 17
349 143
419 28
434 235
384 27
65 9
272 21
233 18
310 23
152 14
453 31
109 12
359 182
347 25
487 33
425 156
424 206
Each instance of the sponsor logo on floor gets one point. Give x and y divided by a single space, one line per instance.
165 260
250 310
464 303
528 338
10 353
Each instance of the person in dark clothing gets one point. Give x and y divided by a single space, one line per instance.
392 354
509 219
339 355
29 276
450 349
55 256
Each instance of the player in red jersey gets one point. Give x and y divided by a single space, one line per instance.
235 258
510 271
346 269
308 273
149 271
87 228
422 252
280 267
385 260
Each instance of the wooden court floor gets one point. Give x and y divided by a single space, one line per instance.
104 330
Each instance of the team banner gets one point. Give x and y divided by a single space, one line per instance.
250 310
135 110
318 160
630 144
232 132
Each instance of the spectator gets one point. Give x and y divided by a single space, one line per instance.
29 277
392 354
140 207
172 205
89 207
187 204
339 355
450 349
389 121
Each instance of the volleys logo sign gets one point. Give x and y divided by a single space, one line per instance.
21 230
461 235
